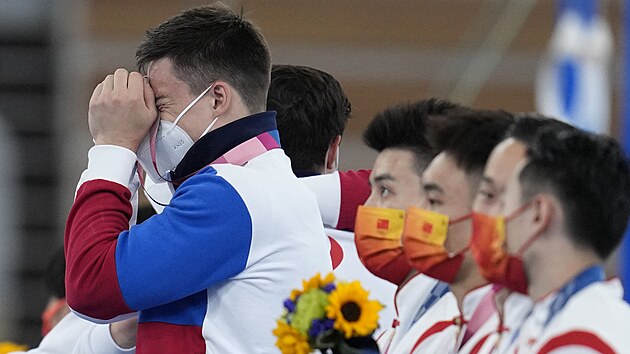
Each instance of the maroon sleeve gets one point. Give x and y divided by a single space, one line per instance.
355 190
101 211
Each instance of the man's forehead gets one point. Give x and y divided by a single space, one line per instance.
438 167
163 80
503 161
444 175
390 160
513 180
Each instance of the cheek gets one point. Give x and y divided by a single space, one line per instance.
493 208
458 236
479 206
371 201
412 195
514 236
407 200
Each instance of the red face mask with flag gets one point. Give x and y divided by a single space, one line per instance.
378 239
423 240
487 246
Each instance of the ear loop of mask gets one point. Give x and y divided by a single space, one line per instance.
513 215
209 126
456 221
190 105
521 250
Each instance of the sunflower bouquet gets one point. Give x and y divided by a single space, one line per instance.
8 347
326 315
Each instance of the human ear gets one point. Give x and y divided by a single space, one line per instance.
331 154
221 94
544 211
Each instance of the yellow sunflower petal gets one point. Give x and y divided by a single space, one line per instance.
294 294
289 340
8 347
353 312
330 277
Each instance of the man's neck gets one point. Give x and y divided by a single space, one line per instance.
551 271
462 286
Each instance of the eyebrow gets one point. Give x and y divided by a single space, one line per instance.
487 179
383 177
432 187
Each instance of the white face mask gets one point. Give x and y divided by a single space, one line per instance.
171 144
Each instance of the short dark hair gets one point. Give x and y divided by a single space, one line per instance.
406 127
589 175
312 109
526 125
470 137
211 43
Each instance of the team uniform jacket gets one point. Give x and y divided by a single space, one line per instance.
339 194
406 329
594 320
210 273
500 326
446 334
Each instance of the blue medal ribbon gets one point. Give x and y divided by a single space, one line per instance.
587 277
439 290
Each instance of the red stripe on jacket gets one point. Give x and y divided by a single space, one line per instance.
101 211
355 190
159 337
577 338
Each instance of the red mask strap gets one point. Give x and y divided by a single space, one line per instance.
533 238
520 210
527 243
460 219
460 252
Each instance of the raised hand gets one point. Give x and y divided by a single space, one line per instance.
122 110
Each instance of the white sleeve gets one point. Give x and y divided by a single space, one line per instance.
80 336
122 171
327 189
63 337
98 340
112 163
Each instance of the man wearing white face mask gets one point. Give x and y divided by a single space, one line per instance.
240 230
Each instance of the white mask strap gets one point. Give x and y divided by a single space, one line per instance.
190 106
209 126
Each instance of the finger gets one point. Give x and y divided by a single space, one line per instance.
97 92
120 79
149 95
136 84
108 84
